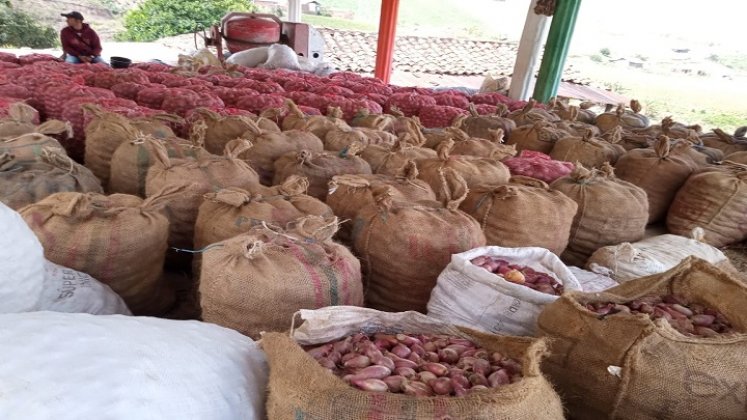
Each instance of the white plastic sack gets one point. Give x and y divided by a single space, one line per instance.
335 322
67 290
472 296
280 56
28 282
21 264
653 255
249 58
592 281
79 366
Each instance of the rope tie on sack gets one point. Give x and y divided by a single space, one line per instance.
545 7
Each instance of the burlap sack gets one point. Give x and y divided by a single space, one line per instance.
610 211
301 388
480 147
540 137
436 136
197 177
233 211
736 157
20 121
270 146
365 119
338 138
628 367
672 129
119 240
589 151
217 130
659 172
319 168
476 171
715 200
28 147
320 125
256 281
348 194
727 143
385 160
375 136
405 246
476 125
106 131
132 159
621 117
24 183
530 115
523 213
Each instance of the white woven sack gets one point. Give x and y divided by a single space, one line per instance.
469 295
21 264
593 281
249 58
113 367
653 255
67 290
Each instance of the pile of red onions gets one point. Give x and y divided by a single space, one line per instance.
526 276
691 319
416 364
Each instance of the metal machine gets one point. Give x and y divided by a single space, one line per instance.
239 31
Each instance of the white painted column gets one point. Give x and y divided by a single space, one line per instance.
294 10
532 40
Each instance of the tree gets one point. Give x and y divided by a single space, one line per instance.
17 29
155 19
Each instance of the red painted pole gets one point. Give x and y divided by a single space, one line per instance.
385 49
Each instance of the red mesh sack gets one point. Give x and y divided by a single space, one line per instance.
452 99
180 100
332 90
258 103
27 59
409 102
538 165
14 91
261 87
491 98
434 116
55 98
8 58
151 97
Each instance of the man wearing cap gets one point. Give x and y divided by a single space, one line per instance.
80 43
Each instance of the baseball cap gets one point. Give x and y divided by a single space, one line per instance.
74 15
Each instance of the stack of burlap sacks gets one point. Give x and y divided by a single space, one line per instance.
274 215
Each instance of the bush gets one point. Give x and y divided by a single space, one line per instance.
155 19
17 29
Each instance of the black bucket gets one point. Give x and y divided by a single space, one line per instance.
120 62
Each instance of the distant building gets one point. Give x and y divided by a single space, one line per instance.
311 7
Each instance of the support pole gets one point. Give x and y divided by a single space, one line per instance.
529 50
556 49
385 48
294 10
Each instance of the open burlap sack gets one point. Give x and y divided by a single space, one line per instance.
588 150
476 125
301 388
320 125
233 211
610 211
24 183
256 281
492 148
119 240
28 147
715 200
217 130
476 171
659 171
540 137
523 213
132 159
627 367
197 177
108 130
405 245
385 160
320 167
348 194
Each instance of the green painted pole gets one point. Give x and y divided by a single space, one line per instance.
556 49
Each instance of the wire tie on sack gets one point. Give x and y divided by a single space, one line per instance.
198 251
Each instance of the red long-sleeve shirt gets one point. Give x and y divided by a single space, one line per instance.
87 44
